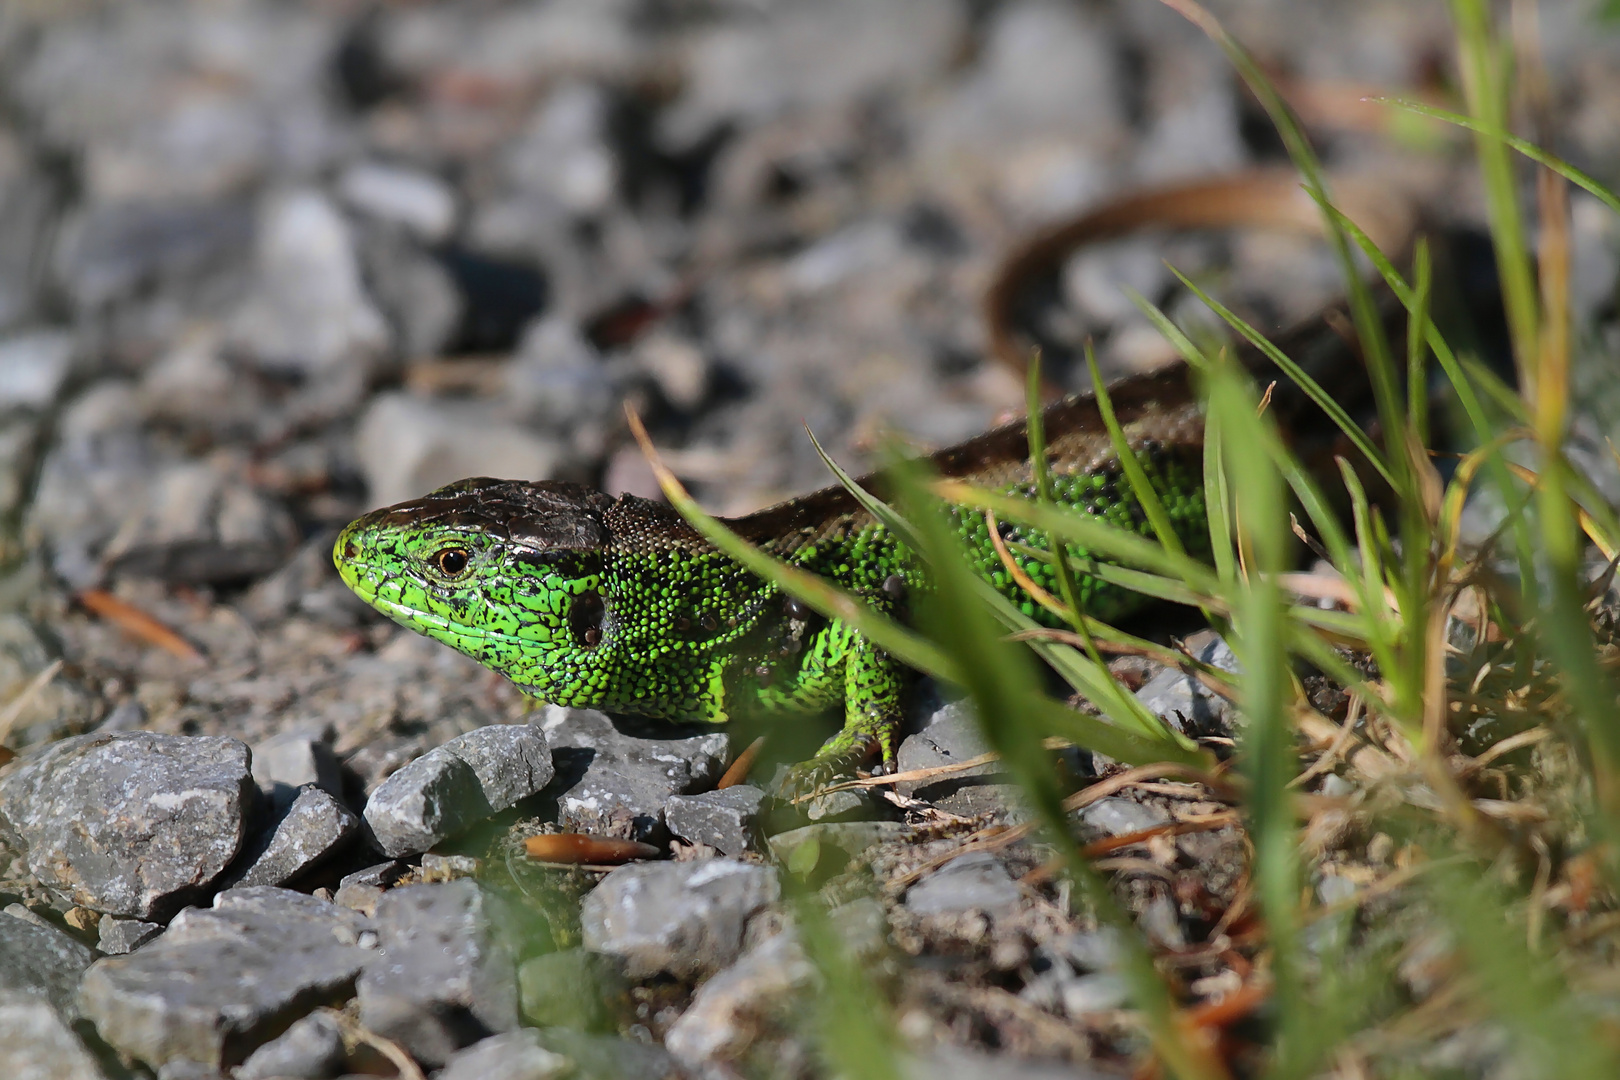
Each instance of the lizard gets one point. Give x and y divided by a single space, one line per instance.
585 599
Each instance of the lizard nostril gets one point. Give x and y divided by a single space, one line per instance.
349 550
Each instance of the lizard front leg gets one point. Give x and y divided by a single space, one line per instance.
874 686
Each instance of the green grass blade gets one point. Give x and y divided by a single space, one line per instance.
1584 181
1312 388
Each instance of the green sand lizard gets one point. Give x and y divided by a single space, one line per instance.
584 599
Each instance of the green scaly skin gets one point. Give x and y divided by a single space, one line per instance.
583 599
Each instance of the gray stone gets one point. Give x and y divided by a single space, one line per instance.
1184 702
116 249
1090 950
729 1011
1160 919
414 289
445 979
97 473
130 715
557 379
312 1049
976 881
614 782
724 819
201 523
948 737
1099 992
686 919
60 705
515 1055
33 367
36 1043
121 936
822 56
409 446
1096 277
565 156
310 313
312 828
361 890
291 759
511 761
130 823
221 981
1117 816
843 806
420 202
452 787
42 962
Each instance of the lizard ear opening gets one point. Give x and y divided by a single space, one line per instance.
585 618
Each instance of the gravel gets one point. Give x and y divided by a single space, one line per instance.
267 265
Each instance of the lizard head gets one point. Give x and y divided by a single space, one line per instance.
506 571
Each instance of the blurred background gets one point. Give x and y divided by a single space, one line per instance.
265 264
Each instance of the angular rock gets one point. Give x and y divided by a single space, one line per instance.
1187 704
445 979
1117 815
221 981
420 202
43 963
729 1011
312 828
130 823
557 379
36 1043
454 786
62 704
117 248
949 737
33 367
724 819
201 524
121 936
976 881
516 1055
511 761
310 313
312 1049
413 288
291 760
686 919
614 782
361 890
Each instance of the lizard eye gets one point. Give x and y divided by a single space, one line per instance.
452 562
